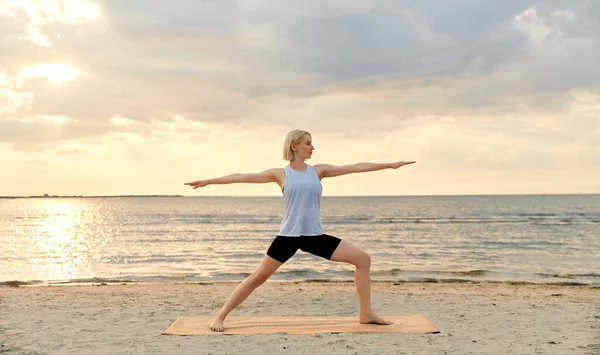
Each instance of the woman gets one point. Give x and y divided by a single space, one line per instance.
301 225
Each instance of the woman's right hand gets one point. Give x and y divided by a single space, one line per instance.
197 184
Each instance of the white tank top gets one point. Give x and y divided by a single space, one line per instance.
302 191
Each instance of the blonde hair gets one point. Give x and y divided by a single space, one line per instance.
293 137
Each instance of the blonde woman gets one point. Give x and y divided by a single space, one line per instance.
301 225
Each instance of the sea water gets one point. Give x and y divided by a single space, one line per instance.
527 238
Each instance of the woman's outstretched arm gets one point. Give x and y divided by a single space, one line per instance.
270 175
326 170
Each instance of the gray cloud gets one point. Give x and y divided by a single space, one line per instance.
231 61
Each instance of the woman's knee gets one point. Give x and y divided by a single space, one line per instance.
363 260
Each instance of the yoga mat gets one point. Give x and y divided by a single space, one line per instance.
416 323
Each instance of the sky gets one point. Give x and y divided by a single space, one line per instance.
138 97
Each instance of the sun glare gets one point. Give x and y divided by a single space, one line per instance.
55 72
56 119
58 244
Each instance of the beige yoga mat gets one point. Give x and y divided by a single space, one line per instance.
416 323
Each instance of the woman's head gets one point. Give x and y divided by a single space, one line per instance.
298 144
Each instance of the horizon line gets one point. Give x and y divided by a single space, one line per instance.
277 196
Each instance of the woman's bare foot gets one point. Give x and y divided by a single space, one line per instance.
371 318
217 325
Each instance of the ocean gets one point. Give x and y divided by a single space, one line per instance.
552 239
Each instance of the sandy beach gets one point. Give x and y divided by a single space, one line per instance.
473 318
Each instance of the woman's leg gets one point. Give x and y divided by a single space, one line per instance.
348 253
266 268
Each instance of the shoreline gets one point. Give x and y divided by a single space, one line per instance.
111 282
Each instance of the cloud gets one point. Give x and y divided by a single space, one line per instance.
488 72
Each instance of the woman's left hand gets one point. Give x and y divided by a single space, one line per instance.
401 163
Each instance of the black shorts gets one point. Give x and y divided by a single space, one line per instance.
284 248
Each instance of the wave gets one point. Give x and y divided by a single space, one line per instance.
255 219
93 280
388 272
312 275
569 276
532 218
525 245
103 282
470 273
536 214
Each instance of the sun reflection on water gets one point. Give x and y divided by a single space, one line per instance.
59 245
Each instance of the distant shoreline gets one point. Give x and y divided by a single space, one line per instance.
77 196
268 196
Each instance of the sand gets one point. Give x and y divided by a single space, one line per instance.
474 318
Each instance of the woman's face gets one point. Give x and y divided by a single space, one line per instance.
305 148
